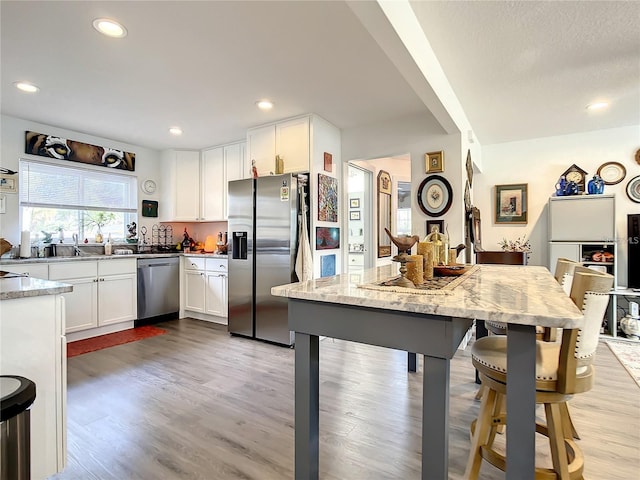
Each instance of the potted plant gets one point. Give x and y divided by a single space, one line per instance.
97 220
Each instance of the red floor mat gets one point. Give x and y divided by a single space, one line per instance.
112 339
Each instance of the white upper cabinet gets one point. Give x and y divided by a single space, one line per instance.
261 148
213 184
292 144
180 193
194 184
288 139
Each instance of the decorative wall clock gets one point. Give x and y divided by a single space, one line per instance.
577 175
435 196
612 173
148 186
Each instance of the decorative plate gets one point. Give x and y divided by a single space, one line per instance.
435 196
633 189
612 173
148 186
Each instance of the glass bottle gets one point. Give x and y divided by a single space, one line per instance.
440 245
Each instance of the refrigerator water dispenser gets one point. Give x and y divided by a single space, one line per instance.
239 246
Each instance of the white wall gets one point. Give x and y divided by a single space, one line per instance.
540 163
325 137
412 135
12 149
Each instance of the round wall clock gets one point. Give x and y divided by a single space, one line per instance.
148 186
612 173
435 196
633 189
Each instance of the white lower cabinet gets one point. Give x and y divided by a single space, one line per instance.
33 345
205 288
104 292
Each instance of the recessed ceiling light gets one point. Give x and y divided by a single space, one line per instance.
175 131
597 105
264 104
110 28
26 87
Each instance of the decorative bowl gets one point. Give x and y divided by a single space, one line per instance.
449 270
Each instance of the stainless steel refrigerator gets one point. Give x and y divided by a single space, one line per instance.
263 227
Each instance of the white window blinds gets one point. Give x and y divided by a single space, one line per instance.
54 186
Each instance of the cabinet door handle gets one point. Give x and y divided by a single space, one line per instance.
102 279
95 280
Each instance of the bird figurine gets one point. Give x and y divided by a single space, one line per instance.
403 242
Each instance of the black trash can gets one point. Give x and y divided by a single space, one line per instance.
16 396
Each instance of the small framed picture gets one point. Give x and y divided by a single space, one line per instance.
511 203
328 162
434 162
9 183
354 203
435 223
354 215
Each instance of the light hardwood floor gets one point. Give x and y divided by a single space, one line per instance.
198 404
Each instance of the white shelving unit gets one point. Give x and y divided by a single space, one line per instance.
581 226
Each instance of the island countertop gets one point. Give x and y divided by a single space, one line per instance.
20 287
505 293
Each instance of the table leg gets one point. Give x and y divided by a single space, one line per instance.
435 419
481 331
306 406
412 362
521 404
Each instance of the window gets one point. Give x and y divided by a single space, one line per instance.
56 198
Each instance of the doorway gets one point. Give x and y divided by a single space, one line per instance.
362 178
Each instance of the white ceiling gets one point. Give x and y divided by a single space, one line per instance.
520 69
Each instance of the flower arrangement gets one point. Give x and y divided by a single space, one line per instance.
520 244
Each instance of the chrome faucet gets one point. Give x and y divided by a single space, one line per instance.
76 249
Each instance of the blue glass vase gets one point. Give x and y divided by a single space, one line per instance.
595 185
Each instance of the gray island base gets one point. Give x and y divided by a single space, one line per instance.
433 326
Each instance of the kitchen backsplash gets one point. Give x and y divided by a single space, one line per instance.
197 230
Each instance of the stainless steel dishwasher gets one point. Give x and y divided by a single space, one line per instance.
158 289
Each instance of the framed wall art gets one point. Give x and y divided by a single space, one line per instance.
327 238
354 203
435 223
354 215
328 162
434 162
435 196
511 203
9 183
327 265
327 198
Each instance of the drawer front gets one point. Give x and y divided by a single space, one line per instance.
117 266
35 270
216 264
194 263
357 260
65 270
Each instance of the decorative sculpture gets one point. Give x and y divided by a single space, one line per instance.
404 244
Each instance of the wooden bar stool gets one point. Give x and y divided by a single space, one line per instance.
562 370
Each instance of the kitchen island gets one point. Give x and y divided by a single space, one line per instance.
33 345
431 325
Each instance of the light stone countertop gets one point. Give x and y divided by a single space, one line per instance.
526 295
20 287
80 258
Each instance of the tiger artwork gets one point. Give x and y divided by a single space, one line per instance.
64 149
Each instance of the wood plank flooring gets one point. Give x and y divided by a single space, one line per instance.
198 404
